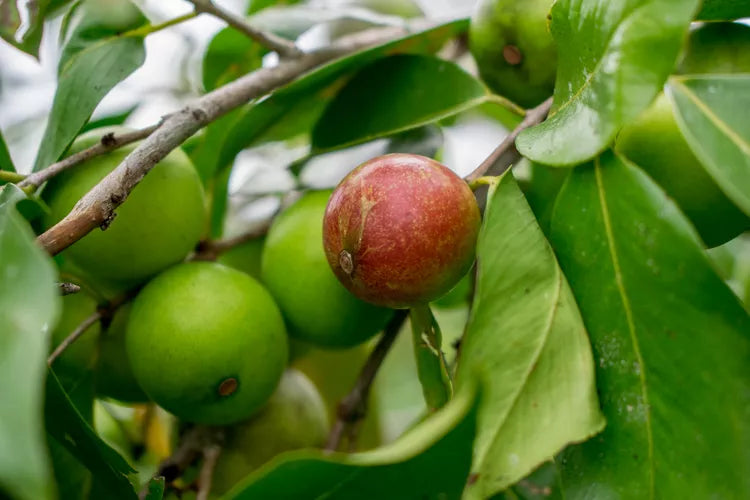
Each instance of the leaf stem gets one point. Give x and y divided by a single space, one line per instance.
507 104
74 335
8 176
153 28
432 368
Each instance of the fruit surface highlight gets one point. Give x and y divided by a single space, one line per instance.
317 308
157 225
400 230
207 343
295 417
514 49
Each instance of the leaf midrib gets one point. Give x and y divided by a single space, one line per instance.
629 317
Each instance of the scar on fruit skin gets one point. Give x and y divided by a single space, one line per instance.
228 386
366 205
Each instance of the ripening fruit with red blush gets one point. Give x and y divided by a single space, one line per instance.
400 230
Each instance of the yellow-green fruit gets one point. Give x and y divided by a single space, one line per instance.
114 375
156 226
717 48
295 417
80 356
245 257
514 49
317 308
206 342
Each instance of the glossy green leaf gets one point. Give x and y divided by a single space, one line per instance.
671 344
229 55
258 5
527 345
711 112
34 15
391 95
29 306
6 163
613 59
155 489
69 428
720 10
100 52
429 461
109 120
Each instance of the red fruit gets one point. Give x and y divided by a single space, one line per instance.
400 230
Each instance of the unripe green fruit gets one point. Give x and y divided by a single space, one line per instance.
114 375
206 342
295 417
654 142
717 48
80 356
400 230
514 49
315 305
157 225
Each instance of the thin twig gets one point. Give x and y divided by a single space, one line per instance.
96 208
8 176
285 48
210 457
209 250
108 142
506 153
353 407
74 335
67 288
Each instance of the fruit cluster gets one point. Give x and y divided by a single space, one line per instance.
210 341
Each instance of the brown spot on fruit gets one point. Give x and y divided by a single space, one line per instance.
512 55
228 387
346 262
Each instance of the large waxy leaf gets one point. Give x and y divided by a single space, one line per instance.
6 163
613 59
101 51
527 344
718 10
430 461
230 55
671 344
69 428
28 309
711 112
391 95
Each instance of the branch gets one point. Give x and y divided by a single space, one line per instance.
108 142
506 153
97 207
68 288
74 335
353 407
282 46
210 457
209 250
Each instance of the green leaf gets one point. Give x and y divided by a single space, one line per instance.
392 95
29 306
721 10
95 58
527 344
671 344
109 120
229 55
258 5
155 488
711 112
613 59
429 461
6 163
35 15
69 428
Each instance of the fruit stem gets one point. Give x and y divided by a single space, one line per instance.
153 28
7 176
432 368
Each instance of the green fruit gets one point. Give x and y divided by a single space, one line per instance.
245 257
514 49
157 226
717 48
654 143
114 375
206 342
317 308
295 417
80 356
